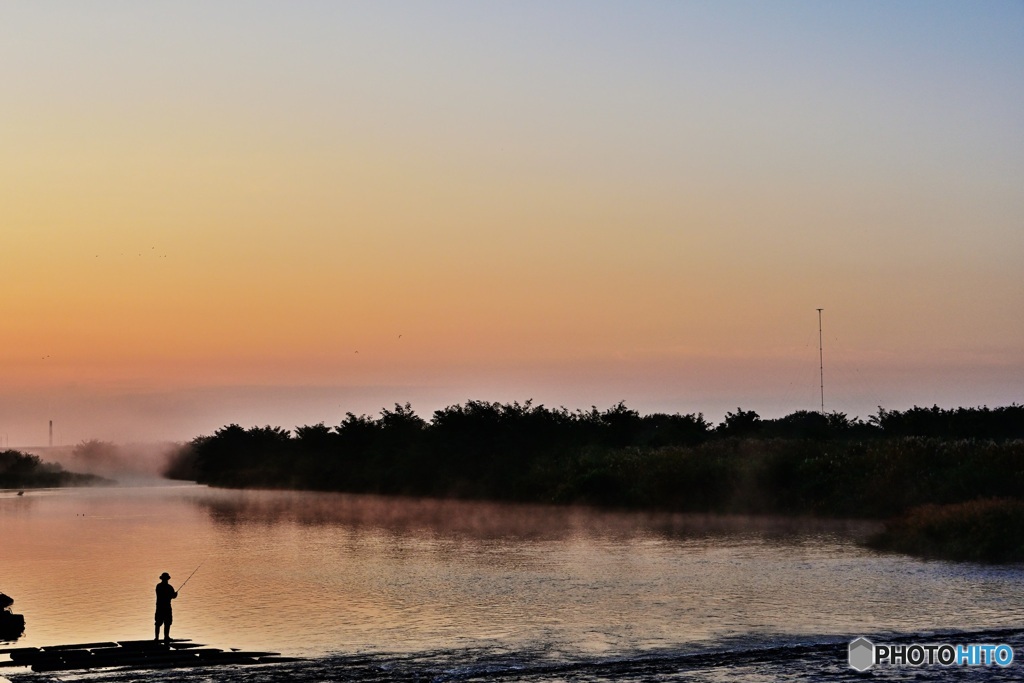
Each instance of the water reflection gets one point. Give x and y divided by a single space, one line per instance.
488 521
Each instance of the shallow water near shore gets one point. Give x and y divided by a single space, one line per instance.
373 588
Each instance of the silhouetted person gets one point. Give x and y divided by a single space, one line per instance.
164 594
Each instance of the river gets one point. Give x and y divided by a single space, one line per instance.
375 588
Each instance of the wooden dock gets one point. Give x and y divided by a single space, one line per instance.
131 654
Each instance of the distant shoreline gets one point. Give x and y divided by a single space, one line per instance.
20 470
985 530
803 464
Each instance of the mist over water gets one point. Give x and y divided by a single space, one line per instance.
135 463
485 520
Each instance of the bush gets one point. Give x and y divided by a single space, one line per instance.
990 530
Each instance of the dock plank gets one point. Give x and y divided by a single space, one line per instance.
133 654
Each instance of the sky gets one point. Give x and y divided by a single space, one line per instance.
279 212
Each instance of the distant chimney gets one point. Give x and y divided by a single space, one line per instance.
51 433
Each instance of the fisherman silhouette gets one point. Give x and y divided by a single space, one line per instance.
164 594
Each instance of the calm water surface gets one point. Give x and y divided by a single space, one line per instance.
472 584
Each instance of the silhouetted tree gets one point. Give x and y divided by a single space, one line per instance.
660 430
964 423
740 423
24 470
95 454
802 424
621 425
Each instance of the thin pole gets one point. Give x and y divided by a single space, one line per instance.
189 576
821 364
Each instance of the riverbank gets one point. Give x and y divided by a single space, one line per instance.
26 471
803 464
978 531
874 478
811 659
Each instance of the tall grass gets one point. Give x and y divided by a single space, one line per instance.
989 530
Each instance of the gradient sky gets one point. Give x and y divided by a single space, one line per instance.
277 212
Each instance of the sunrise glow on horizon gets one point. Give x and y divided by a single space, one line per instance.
281 212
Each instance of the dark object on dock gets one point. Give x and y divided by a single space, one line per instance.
11 625
132 654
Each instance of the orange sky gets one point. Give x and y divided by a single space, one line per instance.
281 213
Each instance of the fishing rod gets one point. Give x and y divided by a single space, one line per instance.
189 577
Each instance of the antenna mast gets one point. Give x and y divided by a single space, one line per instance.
821 364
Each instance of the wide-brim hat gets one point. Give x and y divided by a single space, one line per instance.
165 575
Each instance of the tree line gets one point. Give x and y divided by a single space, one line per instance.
23 470
805 462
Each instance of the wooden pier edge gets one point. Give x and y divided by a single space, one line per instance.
133 654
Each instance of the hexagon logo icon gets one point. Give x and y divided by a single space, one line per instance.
862 654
